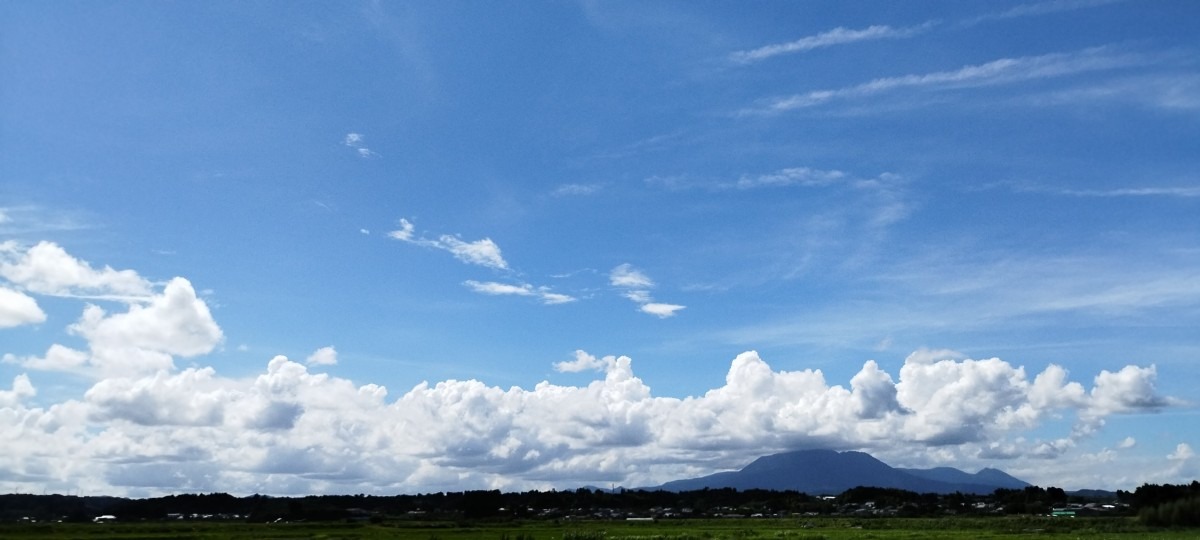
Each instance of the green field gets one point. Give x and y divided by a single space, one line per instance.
722 529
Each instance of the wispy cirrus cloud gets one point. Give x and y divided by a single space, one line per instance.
792 176
1184 192
358 142
844 219
785 177
637 285
829 38
544 294
1038 8
844 36
1165 91
948 290
482 252
24 220
996 72
499 289
627 276
576 190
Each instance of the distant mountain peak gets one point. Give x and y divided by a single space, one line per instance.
819 472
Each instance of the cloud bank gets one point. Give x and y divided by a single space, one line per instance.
290 431
144 426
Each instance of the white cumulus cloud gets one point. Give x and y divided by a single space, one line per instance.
57 358
46 268
1128 390
156 400
154 326
143 339
21 389
175 322
660 310
17 308
325 356
585 362
1182 452
404 233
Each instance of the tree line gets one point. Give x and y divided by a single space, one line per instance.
1166 505
1169 505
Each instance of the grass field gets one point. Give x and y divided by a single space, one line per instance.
726 529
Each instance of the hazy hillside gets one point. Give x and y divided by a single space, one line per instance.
989 476
831 472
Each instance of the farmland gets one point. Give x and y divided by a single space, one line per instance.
692 529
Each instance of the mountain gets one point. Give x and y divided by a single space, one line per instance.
821 472
1094 494
985 477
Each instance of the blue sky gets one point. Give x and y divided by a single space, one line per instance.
399 247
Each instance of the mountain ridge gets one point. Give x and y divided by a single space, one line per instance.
829 472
